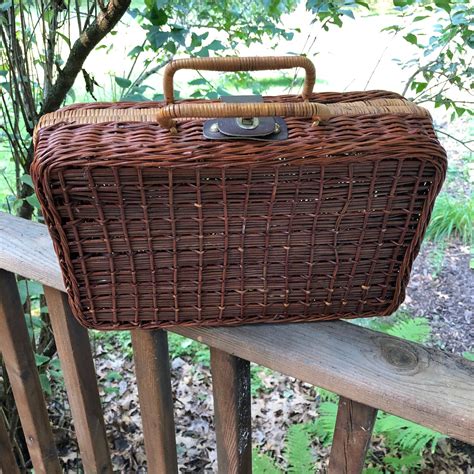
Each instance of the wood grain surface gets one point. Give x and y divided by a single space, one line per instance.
150 351
19 360
72 342
354 425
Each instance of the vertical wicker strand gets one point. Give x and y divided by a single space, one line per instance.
383 229
226 244
356 258
414 195
80 251
242 243
127 241
201 243
337 226
317 208
103 222
267 242
146 218
288 239
174 244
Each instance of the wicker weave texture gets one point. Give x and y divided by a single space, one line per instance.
154 230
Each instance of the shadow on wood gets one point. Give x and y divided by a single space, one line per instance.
231 390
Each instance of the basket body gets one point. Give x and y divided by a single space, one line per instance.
154 230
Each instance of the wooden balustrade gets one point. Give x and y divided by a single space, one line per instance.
369 370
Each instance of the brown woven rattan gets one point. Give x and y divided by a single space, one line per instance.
155 229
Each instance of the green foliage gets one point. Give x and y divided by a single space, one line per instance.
323 427
298 451
263 464
403 463
441 65
298 454
332 12
404 326
406 435
411 329
468 356
180 346
452 217
436 258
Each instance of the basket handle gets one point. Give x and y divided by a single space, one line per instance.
168 113
239 64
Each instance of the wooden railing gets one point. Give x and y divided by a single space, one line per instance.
369 371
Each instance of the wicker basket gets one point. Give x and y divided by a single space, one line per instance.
155 225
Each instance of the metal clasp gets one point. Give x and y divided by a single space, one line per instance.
247 123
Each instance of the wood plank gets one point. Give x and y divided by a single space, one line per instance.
354 425
152 368
26 249
231 390
19 361
8 463
72 342
424 385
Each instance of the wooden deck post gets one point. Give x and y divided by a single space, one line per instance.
150 351
354 425
19 361
231 389
7 458
72 342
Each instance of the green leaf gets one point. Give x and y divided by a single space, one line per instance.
4 6
197 82
30 288
113 376
33 201
215 45
400 3
123 82
404 462
263 464
41 359
411 329
135 51
45 384
26 178
411 38
364 4
444 4
158 17
65 38
348 13
468 355
157 38
300 458
323 427
407 435
178 34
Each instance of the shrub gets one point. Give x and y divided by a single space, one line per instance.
452 217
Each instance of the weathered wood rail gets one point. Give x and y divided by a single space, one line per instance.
369 371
